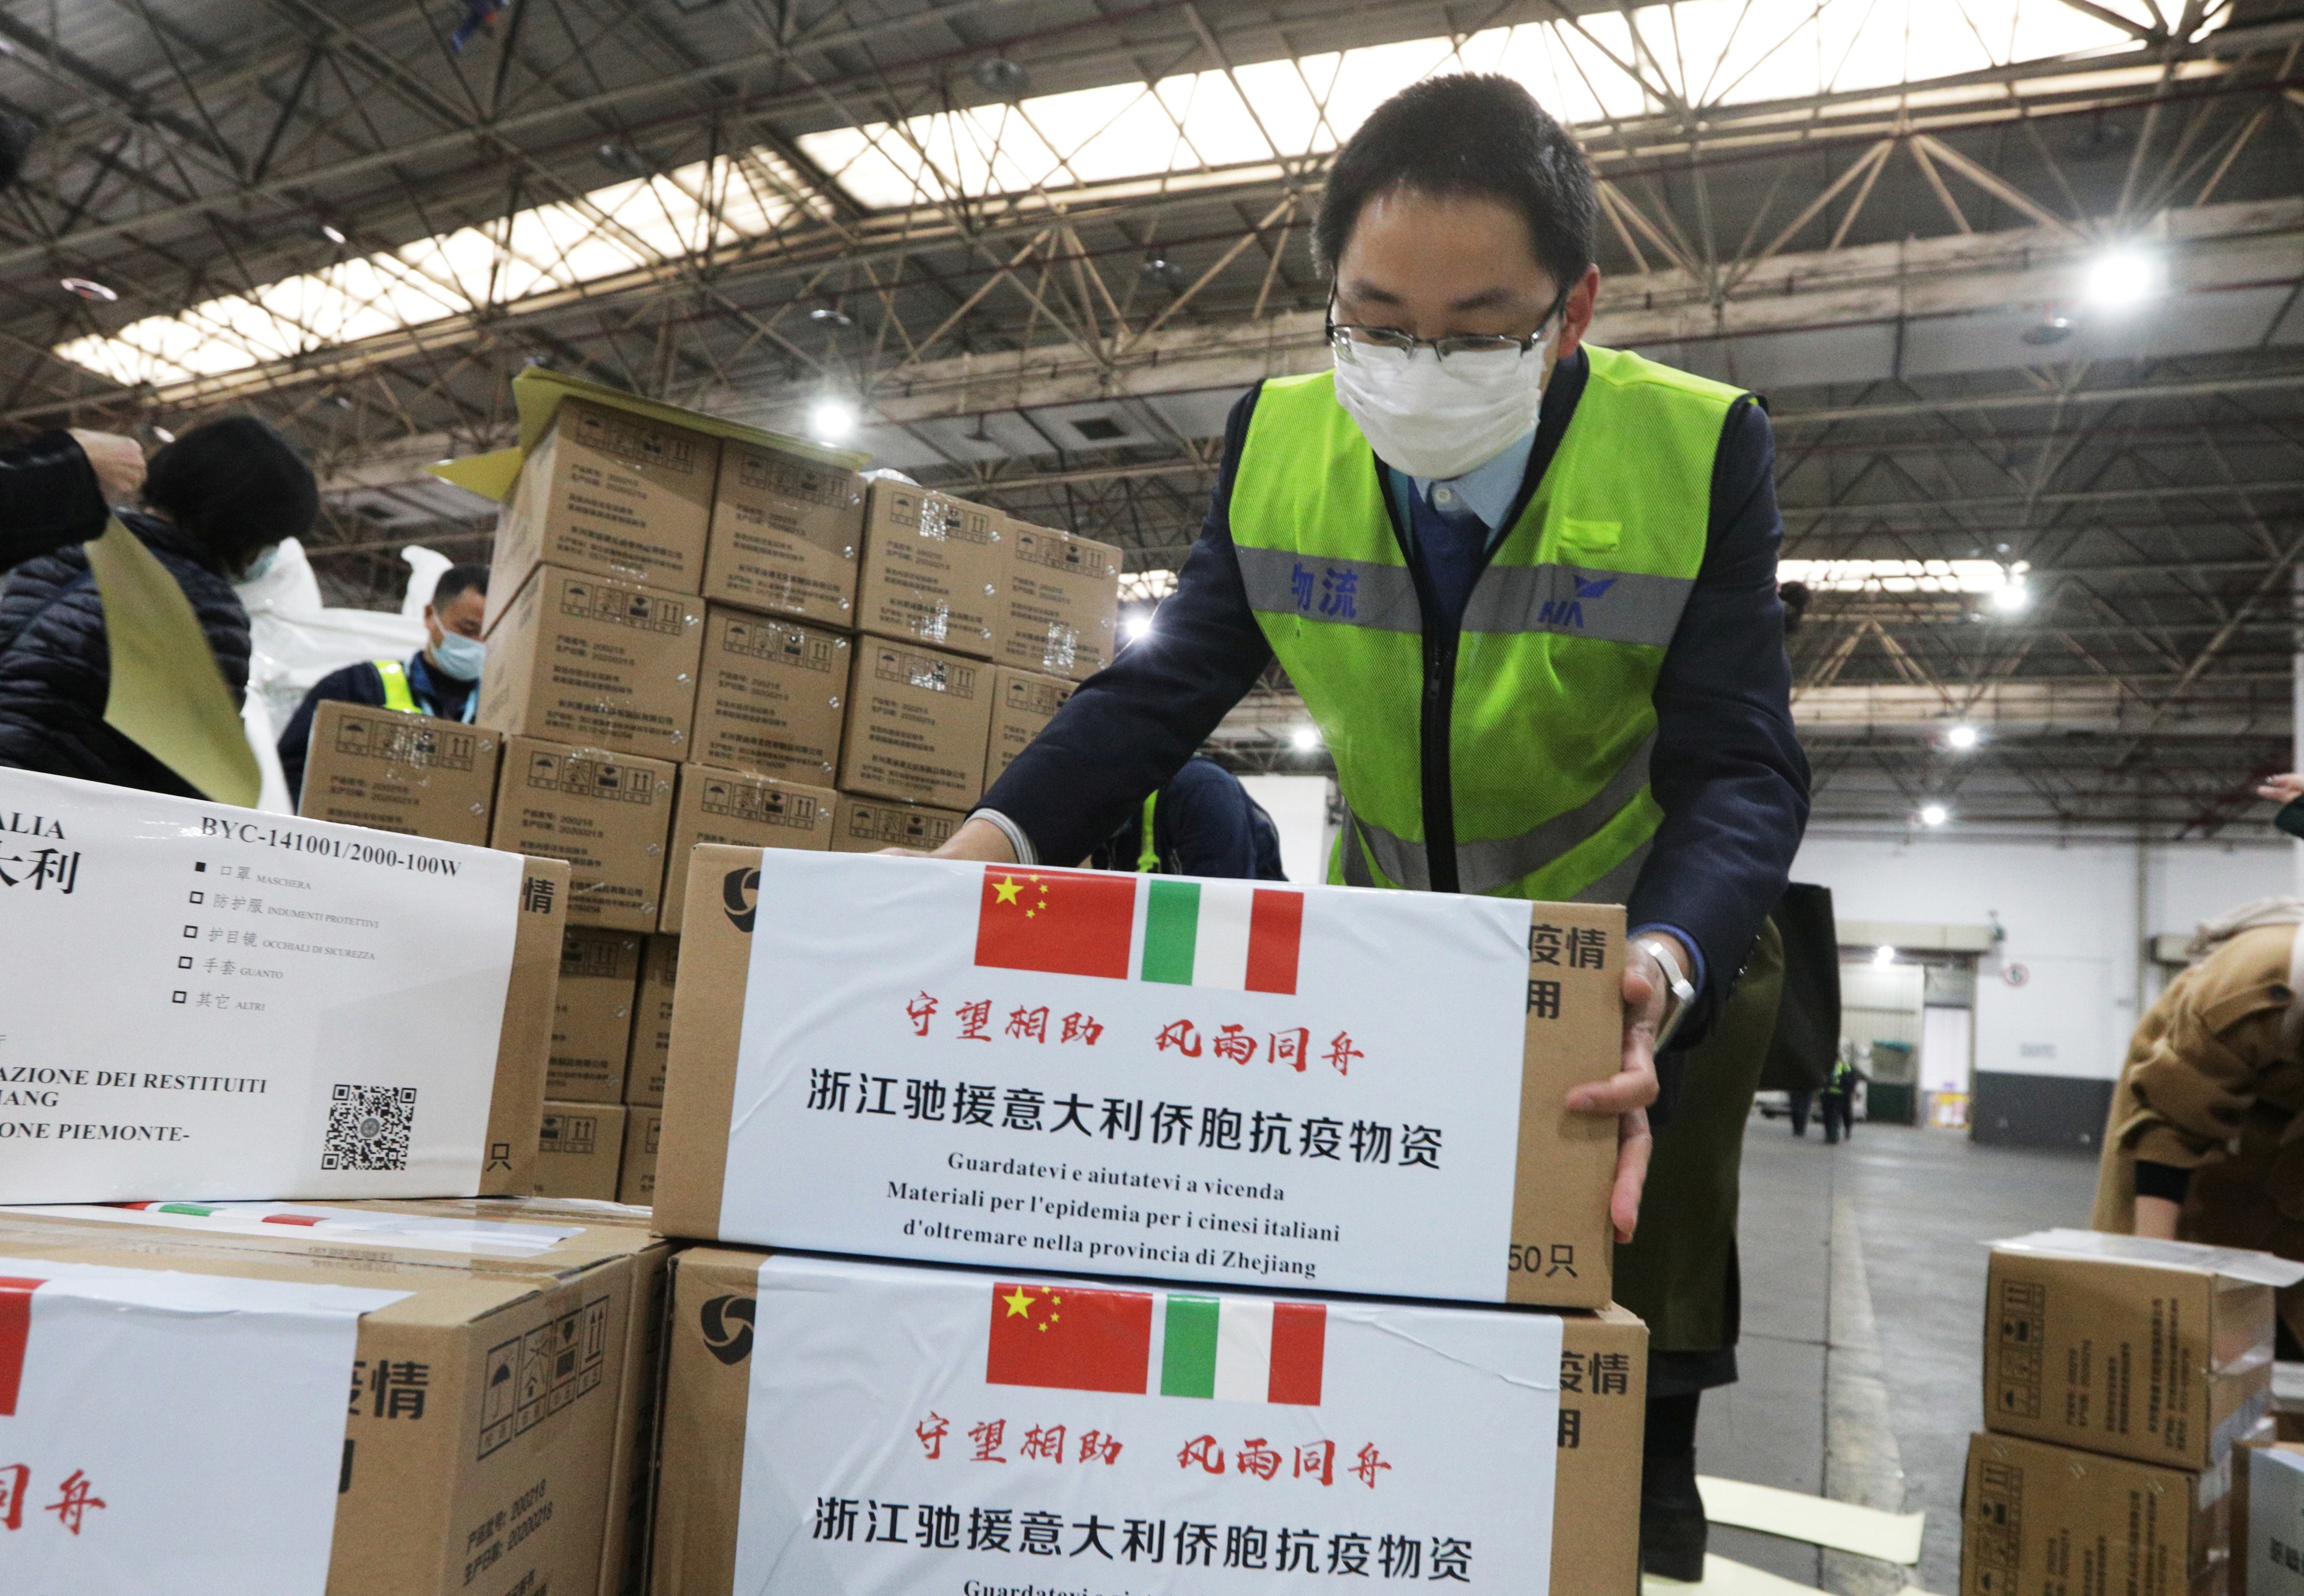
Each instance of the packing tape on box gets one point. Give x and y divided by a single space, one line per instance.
1843 1526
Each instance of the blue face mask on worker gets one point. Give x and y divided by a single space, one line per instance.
259 564
459 656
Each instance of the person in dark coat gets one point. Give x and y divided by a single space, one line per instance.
218 501
1681 1273
442 679
1204 823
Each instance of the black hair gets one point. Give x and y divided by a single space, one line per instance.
458 579
15 142
236 485
1794 596
1468 133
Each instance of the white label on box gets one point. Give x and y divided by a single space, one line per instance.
1131 1075
161 1431
2275 1523
209 1002
935 1431
473 1238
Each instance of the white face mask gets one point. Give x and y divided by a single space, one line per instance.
459 656
1439 419
259 568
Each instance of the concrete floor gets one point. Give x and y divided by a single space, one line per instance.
1863 1288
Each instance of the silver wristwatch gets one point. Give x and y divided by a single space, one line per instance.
1683 991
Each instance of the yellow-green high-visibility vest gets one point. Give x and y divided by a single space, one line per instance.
1533 740
397 694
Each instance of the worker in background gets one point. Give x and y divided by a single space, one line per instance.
59 489
1524 585
1203 823
441 679
218 501
1838 1099
2199 1144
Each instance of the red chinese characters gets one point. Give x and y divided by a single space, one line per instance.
1042 1443
76 1498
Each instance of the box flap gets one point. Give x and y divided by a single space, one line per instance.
2234 1263
538 392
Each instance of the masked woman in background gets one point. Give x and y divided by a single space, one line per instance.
218 502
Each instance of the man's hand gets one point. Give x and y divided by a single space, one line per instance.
2282 789
1628 1093
118 463
980 840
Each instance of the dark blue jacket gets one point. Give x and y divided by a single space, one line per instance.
1727 771
443 697
1205 824
48 498
56 661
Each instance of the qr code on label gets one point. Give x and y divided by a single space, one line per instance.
369 1127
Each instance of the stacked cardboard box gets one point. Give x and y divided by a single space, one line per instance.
412 774
1058 603
2119 1375
652 1024
917 1106
501 1359
291 1008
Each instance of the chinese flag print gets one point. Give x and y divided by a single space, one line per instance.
16 1334
1070 1338
1063 922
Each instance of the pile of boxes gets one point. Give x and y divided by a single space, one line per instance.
698 639
897 1067
2125 1379
279 1310
442 1199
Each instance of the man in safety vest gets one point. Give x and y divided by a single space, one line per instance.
1526 586
441 679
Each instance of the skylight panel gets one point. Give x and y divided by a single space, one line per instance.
608 233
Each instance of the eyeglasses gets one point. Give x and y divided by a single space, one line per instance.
1343 336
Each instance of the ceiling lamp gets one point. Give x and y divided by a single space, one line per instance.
90 290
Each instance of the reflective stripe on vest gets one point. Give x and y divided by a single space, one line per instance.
1551 717
1147 857
397 694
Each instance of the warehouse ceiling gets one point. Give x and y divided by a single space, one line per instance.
2018 278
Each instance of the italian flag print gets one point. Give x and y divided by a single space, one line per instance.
1230 936
1226 1349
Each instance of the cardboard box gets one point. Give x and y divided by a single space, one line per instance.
1400 1394
643 1130
785 532
582 1150
771 696
728 806
1023 702
1257 1109
489 1418
2160 1351
613 494
932 570
1059 603
581 658
608 815
868 825
917 721
652 1024
245 1031
2038 1519
412 774
592 1022
2267 1519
